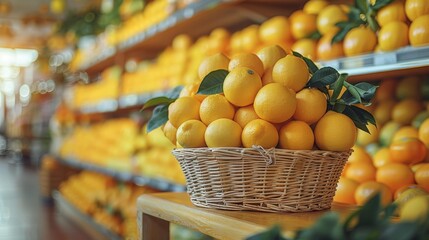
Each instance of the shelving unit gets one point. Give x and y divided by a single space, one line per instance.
156 183
374 66
232 14
84 221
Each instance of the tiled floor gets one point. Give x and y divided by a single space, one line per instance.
23 215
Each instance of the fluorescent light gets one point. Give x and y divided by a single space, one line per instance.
17 57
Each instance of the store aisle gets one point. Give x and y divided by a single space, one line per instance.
23 215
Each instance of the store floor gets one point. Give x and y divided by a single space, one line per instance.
23 214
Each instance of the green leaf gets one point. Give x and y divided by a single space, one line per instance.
340 107
389 211
372 22
315 35
354 92
359 121
367 116
369 213
400 231
326 227
213 82
159 117
274 233
310 64
380 4
340 35
362 5
175 92
354 14
157 101
337 86
323 77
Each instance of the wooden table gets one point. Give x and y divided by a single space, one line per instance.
156 211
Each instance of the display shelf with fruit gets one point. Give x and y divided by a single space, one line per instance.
218 13
83 220
401 62
103 106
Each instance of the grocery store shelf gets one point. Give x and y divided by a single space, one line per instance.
104 106
230 14
84 221
157 183
374 66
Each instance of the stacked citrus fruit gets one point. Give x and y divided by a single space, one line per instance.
269 99
394 157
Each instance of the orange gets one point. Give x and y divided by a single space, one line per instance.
326 50
248 60
292 72
190 134
361 172
296 135
395 175
311 105
416 8
190 90
214 107
270 55
368 189
424 132
181 42
345 192
383 111
244 115
223 133
415 167
382 157
405 132
392 12
359 155
250 38
328 17
393 36
402 189
422 177
212 63
275 30
327 134
405 111
364 138
409 87
386 90
241 86
306 47
260 133
183 109
407 151
303 24
359 40
419 31
314 6
235 43
275 103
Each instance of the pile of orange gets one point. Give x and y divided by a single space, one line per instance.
395 156
264 102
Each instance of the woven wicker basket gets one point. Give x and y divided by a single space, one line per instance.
273 180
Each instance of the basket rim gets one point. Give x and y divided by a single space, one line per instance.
259 147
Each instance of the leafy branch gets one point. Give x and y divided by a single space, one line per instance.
361 13
328 78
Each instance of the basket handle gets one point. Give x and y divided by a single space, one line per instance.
267 154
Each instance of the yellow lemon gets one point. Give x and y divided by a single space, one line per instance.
296 135
212 63
241 86
248 60
190 134
393 36
292 72
270 55
223 133
311 105
244 115
275 103
214 107
275 30
261 133
328 17
183 109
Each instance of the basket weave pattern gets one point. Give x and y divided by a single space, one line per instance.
273 180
